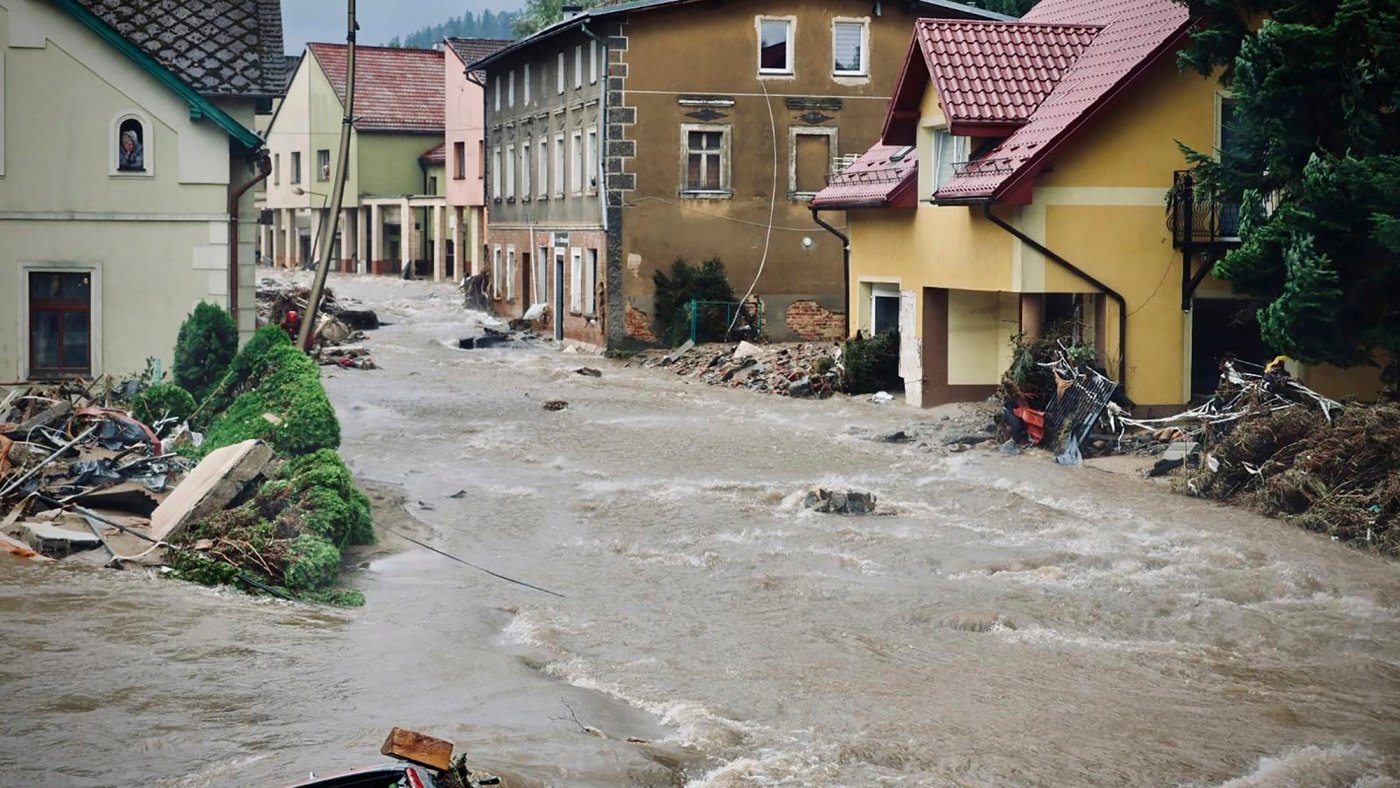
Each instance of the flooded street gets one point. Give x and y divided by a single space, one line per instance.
1008 622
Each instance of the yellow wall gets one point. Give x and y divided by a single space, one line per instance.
980 328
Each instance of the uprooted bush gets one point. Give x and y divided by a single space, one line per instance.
1340 478
273 393
870 364
705 282
207 341
289 535
164 400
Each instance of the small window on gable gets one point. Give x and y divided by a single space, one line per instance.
949 151
131 146
774 46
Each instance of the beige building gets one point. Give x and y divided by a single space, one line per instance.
394 214
126 153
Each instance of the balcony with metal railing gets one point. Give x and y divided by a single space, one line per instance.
1198 215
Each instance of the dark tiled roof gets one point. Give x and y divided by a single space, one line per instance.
217 47
435 155
997 72
876 179
1135 33
470 50
395 89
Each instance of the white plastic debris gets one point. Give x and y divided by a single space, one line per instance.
882 396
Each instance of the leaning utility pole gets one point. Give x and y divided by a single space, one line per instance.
323 252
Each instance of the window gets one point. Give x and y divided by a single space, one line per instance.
590 284
60 323
296 167
575 280
576 163
131 147
559 72
775 46
884 308
276 169
592 62
459 160
432 184
510 96
496 272
542 189
541 276
947 151
810 153
323 164
849 39
706 160
510 273
578 66
496 91
481 159
558 165
525 169
526 98
496 173
590 158
510 172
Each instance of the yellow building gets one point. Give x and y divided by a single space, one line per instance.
1029 173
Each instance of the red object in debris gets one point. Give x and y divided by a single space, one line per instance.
1035 422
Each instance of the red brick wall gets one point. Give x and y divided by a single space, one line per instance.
814 323
639 325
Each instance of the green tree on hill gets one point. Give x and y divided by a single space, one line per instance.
1315 136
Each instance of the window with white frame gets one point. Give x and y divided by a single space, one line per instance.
775 41
948 150
704 160
296 167
850 40
496 172
496 272
578 65
510 273
558 165
496 92
559 72
590 284
576 163
592 62
576 280
510 172
810 152
510 94
590 157
540 280
525 169
526 87
542 189
131 145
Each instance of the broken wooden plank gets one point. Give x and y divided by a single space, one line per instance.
216 481
419 748
47 418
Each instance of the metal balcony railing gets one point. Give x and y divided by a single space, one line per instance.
1198 215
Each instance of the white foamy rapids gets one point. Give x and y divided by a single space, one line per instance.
768 768
1340 765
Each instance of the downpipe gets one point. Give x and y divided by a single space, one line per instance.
1072 268
845 267
264 165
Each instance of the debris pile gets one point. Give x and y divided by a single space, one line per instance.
496 333
806 369
339 329
839 502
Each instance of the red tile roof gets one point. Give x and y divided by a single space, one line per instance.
878 178
1135 34
395 89
435 155
995 72
470 50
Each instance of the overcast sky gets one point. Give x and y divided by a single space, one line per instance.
380 20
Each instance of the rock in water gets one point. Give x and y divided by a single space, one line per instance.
838 502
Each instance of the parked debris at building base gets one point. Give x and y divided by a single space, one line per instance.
803 369
340 325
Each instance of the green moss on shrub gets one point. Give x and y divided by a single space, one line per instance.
283 383
312 563
161 401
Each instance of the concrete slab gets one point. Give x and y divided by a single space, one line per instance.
218 479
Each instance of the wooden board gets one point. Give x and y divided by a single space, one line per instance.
415 747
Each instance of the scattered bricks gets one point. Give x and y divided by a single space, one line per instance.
813 322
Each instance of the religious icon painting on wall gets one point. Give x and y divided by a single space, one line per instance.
131 156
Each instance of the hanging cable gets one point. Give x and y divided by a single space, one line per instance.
772 206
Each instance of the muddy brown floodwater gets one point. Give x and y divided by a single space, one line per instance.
1009 622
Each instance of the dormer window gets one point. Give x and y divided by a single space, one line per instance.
948 151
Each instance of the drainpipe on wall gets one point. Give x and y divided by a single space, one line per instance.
1072 268
264 165
845 266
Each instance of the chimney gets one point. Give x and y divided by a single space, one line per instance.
571 10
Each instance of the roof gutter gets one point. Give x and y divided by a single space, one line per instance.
845 266
1079 272
200 107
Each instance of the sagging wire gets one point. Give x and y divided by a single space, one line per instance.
772 207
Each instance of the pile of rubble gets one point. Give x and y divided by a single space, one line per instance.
340 325
805 369
82 480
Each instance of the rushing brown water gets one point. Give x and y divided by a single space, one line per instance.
1010 623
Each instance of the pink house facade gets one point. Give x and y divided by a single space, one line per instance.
465 135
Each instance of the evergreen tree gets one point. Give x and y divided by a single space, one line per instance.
1015 8
1315 135
539 14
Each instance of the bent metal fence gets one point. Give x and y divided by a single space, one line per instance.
711 320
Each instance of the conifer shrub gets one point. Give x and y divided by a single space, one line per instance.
207 342
282 400
705 282
164 400
871 364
